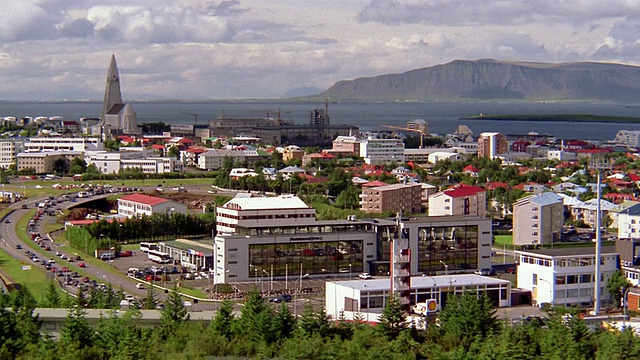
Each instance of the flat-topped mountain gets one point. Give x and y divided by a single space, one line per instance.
493 79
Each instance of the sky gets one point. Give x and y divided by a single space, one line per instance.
203 49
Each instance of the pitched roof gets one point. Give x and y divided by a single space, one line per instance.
144 199
374 183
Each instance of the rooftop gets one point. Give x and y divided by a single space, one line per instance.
464 191
570 251
418 282
144 199
268 203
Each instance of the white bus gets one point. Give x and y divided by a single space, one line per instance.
146 246
159 257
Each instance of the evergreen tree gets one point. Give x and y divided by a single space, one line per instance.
256 321
174 315
393 319
76 332
151 299
27 325
52 296
284 322
313 322
223 322
467 317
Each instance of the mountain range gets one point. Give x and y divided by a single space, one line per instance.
494 79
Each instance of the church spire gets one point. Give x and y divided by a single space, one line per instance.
112 93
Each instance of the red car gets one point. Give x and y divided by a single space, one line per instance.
152 278
64 269
125 253
54 269
82 265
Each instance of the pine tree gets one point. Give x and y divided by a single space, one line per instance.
151 299
76 332
175 314
393 319
223 322
52 296
284 322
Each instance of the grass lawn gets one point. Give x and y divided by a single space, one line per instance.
503 240
35 279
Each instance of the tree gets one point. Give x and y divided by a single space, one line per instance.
284 322
78 166
256 319
617 285
52 296
223 322
174 315
150 300
468 317
393 319
76 332
174 151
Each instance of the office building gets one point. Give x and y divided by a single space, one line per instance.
492 144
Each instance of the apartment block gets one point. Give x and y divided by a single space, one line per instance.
462 200
396 198
538 219
492 144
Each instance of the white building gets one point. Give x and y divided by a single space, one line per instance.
565 276
62 144
214 159
247 212
561 155
628 137
366 299
144 205
452 156
114 162
382 151
9 148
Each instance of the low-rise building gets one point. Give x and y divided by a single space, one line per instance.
63 144
42 162
461 200
366 299
136 205
565 276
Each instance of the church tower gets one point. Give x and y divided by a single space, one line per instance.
112 93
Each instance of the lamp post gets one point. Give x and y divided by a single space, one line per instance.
624 305
446 267
262 281
550 290
349 271
295 300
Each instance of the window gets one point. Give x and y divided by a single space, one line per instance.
572 279
586 278
535 279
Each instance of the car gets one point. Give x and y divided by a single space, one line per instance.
82 265
58 253
283 298
129 297
18 247
140 286
510 270
152 278
8 221
64 269
364 276
485 272
63 257
47 248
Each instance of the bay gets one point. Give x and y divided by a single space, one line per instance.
443 117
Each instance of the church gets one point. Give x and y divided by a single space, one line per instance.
117 117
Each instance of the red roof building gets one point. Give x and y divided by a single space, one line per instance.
460 200
144 205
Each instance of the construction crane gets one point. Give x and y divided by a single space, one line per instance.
419 126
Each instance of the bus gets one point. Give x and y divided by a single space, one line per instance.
146 246
159 257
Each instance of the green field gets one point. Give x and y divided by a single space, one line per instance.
503 240
35 278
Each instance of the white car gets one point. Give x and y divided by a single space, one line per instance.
129 297
364 276
140 286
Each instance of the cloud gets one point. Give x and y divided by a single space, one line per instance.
464 12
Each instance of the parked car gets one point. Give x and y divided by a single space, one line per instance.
282 298
364 276
485 272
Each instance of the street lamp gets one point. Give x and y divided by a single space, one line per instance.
550 290
349 271
624 305
295 300
446 267
262 281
